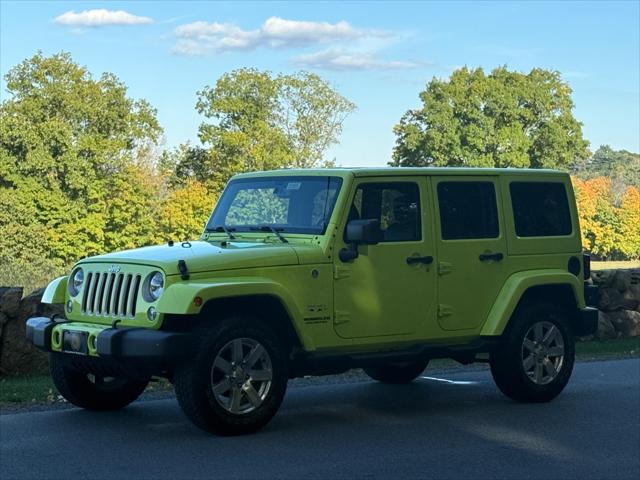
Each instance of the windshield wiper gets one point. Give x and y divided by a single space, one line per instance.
222 228
269 228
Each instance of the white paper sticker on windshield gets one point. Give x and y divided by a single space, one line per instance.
293 186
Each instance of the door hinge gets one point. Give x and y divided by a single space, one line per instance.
444 310
444 268
341 317
341 272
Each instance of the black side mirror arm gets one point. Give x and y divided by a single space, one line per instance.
349 254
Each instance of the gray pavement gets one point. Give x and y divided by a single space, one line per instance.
448 425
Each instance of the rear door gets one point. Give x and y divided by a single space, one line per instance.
472 249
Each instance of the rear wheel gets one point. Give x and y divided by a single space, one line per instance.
534 360
397 373
93 391
237 379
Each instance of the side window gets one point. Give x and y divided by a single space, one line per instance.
540 209
396 205
468 210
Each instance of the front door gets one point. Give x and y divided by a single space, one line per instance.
472 249
390 288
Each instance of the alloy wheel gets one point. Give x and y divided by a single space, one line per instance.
543 352
241 375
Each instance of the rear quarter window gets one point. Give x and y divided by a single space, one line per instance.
540 209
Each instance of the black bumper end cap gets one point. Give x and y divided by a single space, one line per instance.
587 323
38 332
591 295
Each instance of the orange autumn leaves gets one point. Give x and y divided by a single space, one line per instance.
609 218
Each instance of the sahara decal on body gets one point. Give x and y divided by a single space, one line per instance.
318 314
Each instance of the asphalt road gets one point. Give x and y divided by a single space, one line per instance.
452 425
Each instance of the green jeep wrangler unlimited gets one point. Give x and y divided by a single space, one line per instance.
314 272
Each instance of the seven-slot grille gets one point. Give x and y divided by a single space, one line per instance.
111 294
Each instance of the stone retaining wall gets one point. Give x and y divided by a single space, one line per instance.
17 356
619 302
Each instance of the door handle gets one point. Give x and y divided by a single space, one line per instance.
428 260
485 257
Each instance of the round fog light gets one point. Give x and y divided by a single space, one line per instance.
69 306
152 314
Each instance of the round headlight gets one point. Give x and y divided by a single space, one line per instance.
75 282
156 285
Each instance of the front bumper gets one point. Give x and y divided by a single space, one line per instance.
138 344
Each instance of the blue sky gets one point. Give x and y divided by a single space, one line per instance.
378 54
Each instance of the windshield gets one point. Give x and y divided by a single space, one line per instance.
288 204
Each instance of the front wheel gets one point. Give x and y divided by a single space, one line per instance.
93 391
397 373
534 360
237 379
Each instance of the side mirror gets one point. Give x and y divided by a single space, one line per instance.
360 232
364 232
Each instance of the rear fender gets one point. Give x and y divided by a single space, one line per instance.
516 286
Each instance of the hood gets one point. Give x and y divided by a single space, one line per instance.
204 257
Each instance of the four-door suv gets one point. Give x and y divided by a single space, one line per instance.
313 272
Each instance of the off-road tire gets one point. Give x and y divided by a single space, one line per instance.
101 394
507 361
397 373
194 385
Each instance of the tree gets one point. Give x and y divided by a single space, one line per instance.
621 166
68 144
609 230
184 163
262 122
630 223
185 212
312 116
504 119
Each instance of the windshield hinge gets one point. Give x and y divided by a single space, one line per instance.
182 268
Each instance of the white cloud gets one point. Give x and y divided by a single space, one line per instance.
293 31
201 37
349 48
337 59
100 18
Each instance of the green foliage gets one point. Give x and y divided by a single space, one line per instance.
184 212
504 119
184 163
68 149
621 166
312 114
261 122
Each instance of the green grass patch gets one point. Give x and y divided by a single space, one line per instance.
613 265
601 349
35 389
